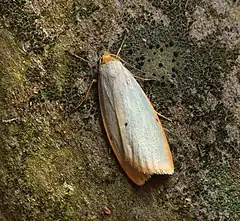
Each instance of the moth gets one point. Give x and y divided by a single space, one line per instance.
132 125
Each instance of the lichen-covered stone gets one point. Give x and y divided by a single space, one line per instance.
56 162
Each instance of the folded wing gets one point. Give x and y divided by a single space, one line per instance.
132 125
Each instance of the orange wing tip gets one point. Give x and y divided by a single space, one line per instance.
108 57
141 182
135 176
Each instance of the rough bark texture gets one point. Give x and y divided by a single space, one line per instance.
57 164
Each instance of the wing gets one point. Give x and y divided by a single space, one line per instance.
114 135
132 124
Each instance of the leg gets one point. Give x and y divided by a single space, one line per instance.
162 116
87 94
78 57
142 79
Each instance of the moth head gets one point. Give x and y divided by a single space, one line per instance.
108 57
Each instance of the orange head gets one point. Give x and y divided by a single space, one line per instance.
108 57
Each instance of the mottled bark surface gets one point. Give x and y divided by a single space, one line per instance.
57 164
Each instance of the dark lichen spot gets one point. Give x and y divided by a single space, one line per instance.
175 54
130 51
160 65
150 46
139 65
163 84
153 22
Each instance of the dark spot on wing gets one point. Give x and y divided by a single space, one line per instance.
126 124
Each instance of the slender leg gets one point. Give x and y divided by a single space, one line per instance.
78 57
162 116
87 94
142 79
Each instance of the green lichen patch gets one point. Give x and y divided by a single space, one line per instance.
13 62
48 173
18 19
